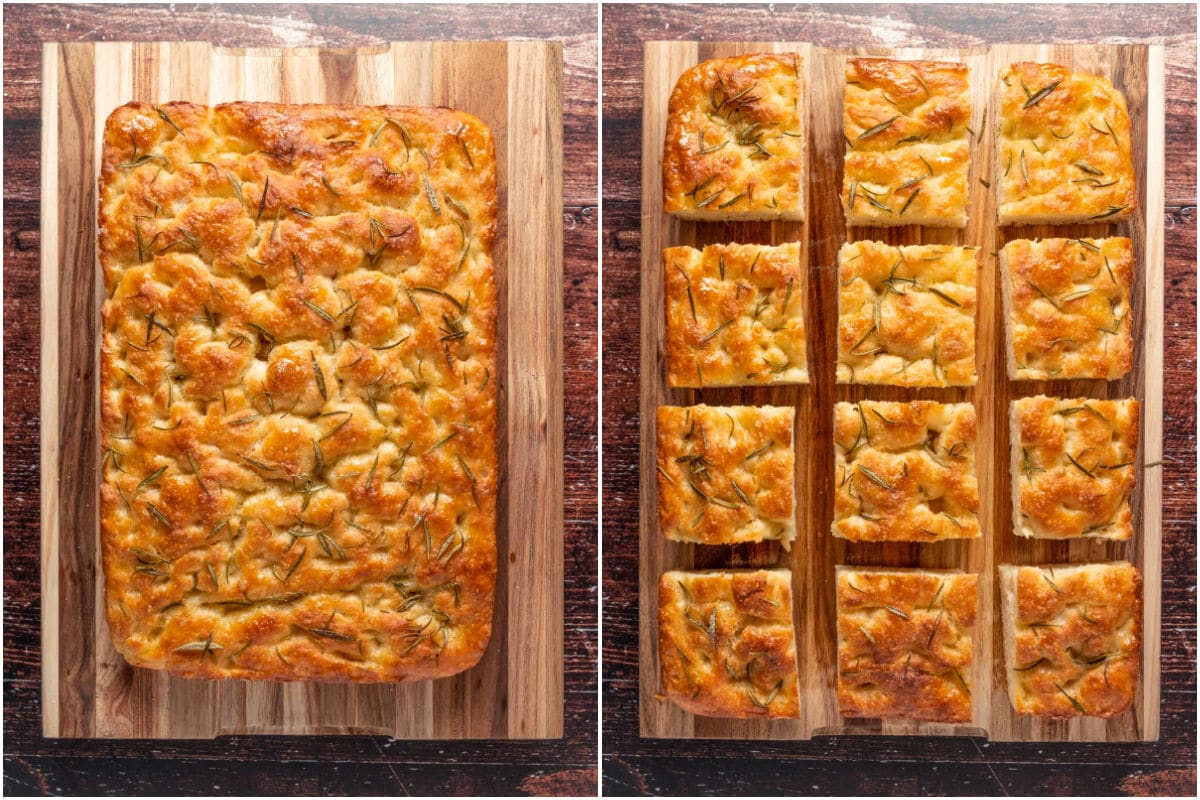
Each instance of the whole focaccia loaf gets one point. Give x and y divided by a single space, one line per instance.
298 390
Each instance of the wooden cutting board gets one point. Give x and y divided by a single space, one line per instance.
1137 70
516 691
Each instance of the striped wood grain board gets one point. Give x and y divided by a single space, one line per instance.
1135 69
516 691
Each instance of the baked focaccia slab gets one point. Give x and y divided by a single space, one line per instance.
906 315
1067 308
727 643
905 644
735 143
298 390
1064 148
905 472
1072 638
1073 467
726 474
735 315
908 142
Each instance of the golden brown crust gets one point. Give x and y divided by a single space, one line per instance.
1064 148
906 315
726 474
735 143
908 144
905 472
1067 308
298 401
1073 638
905 644
735 315
1073 467
727 644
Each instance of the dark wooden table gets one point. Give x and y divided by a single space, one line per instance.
878 765
327 765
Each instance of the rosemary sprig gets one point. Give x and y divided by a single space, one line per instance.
876 478
1078 706
1040 95
441 443
1110 211
945 296
688 283
764 703
717 330
1044 294
877 129
1079 466
431 195
319 374
201 646
320 312
158 515
262 202
148 158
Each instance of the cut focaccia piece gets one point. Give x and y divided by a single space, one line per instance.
726 474
735 140
906 315
727 643
735 315
905 643
1067 308
1073 467
1072 638
1064 148
908 142
905 472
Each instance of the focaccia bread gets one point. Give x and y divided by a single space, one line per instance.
905 643
298 390
908 142
726 474
1072 638
1073 467
1067 308
727 643
735 143
1064 148
906 315
905 472
735 315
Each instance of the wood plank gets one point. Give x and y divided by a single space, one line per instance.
516 691
1137 71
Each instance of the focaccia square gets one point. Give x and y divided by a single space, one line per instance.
735 143
906 315
1064 148
905 644
1072 638
908 142
1073 467
735 315
905 472
727 643
726 474
298 390
1067 308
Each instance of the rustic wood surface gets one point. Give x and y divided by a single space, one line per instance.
872 764
515 691
815 555
264 765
